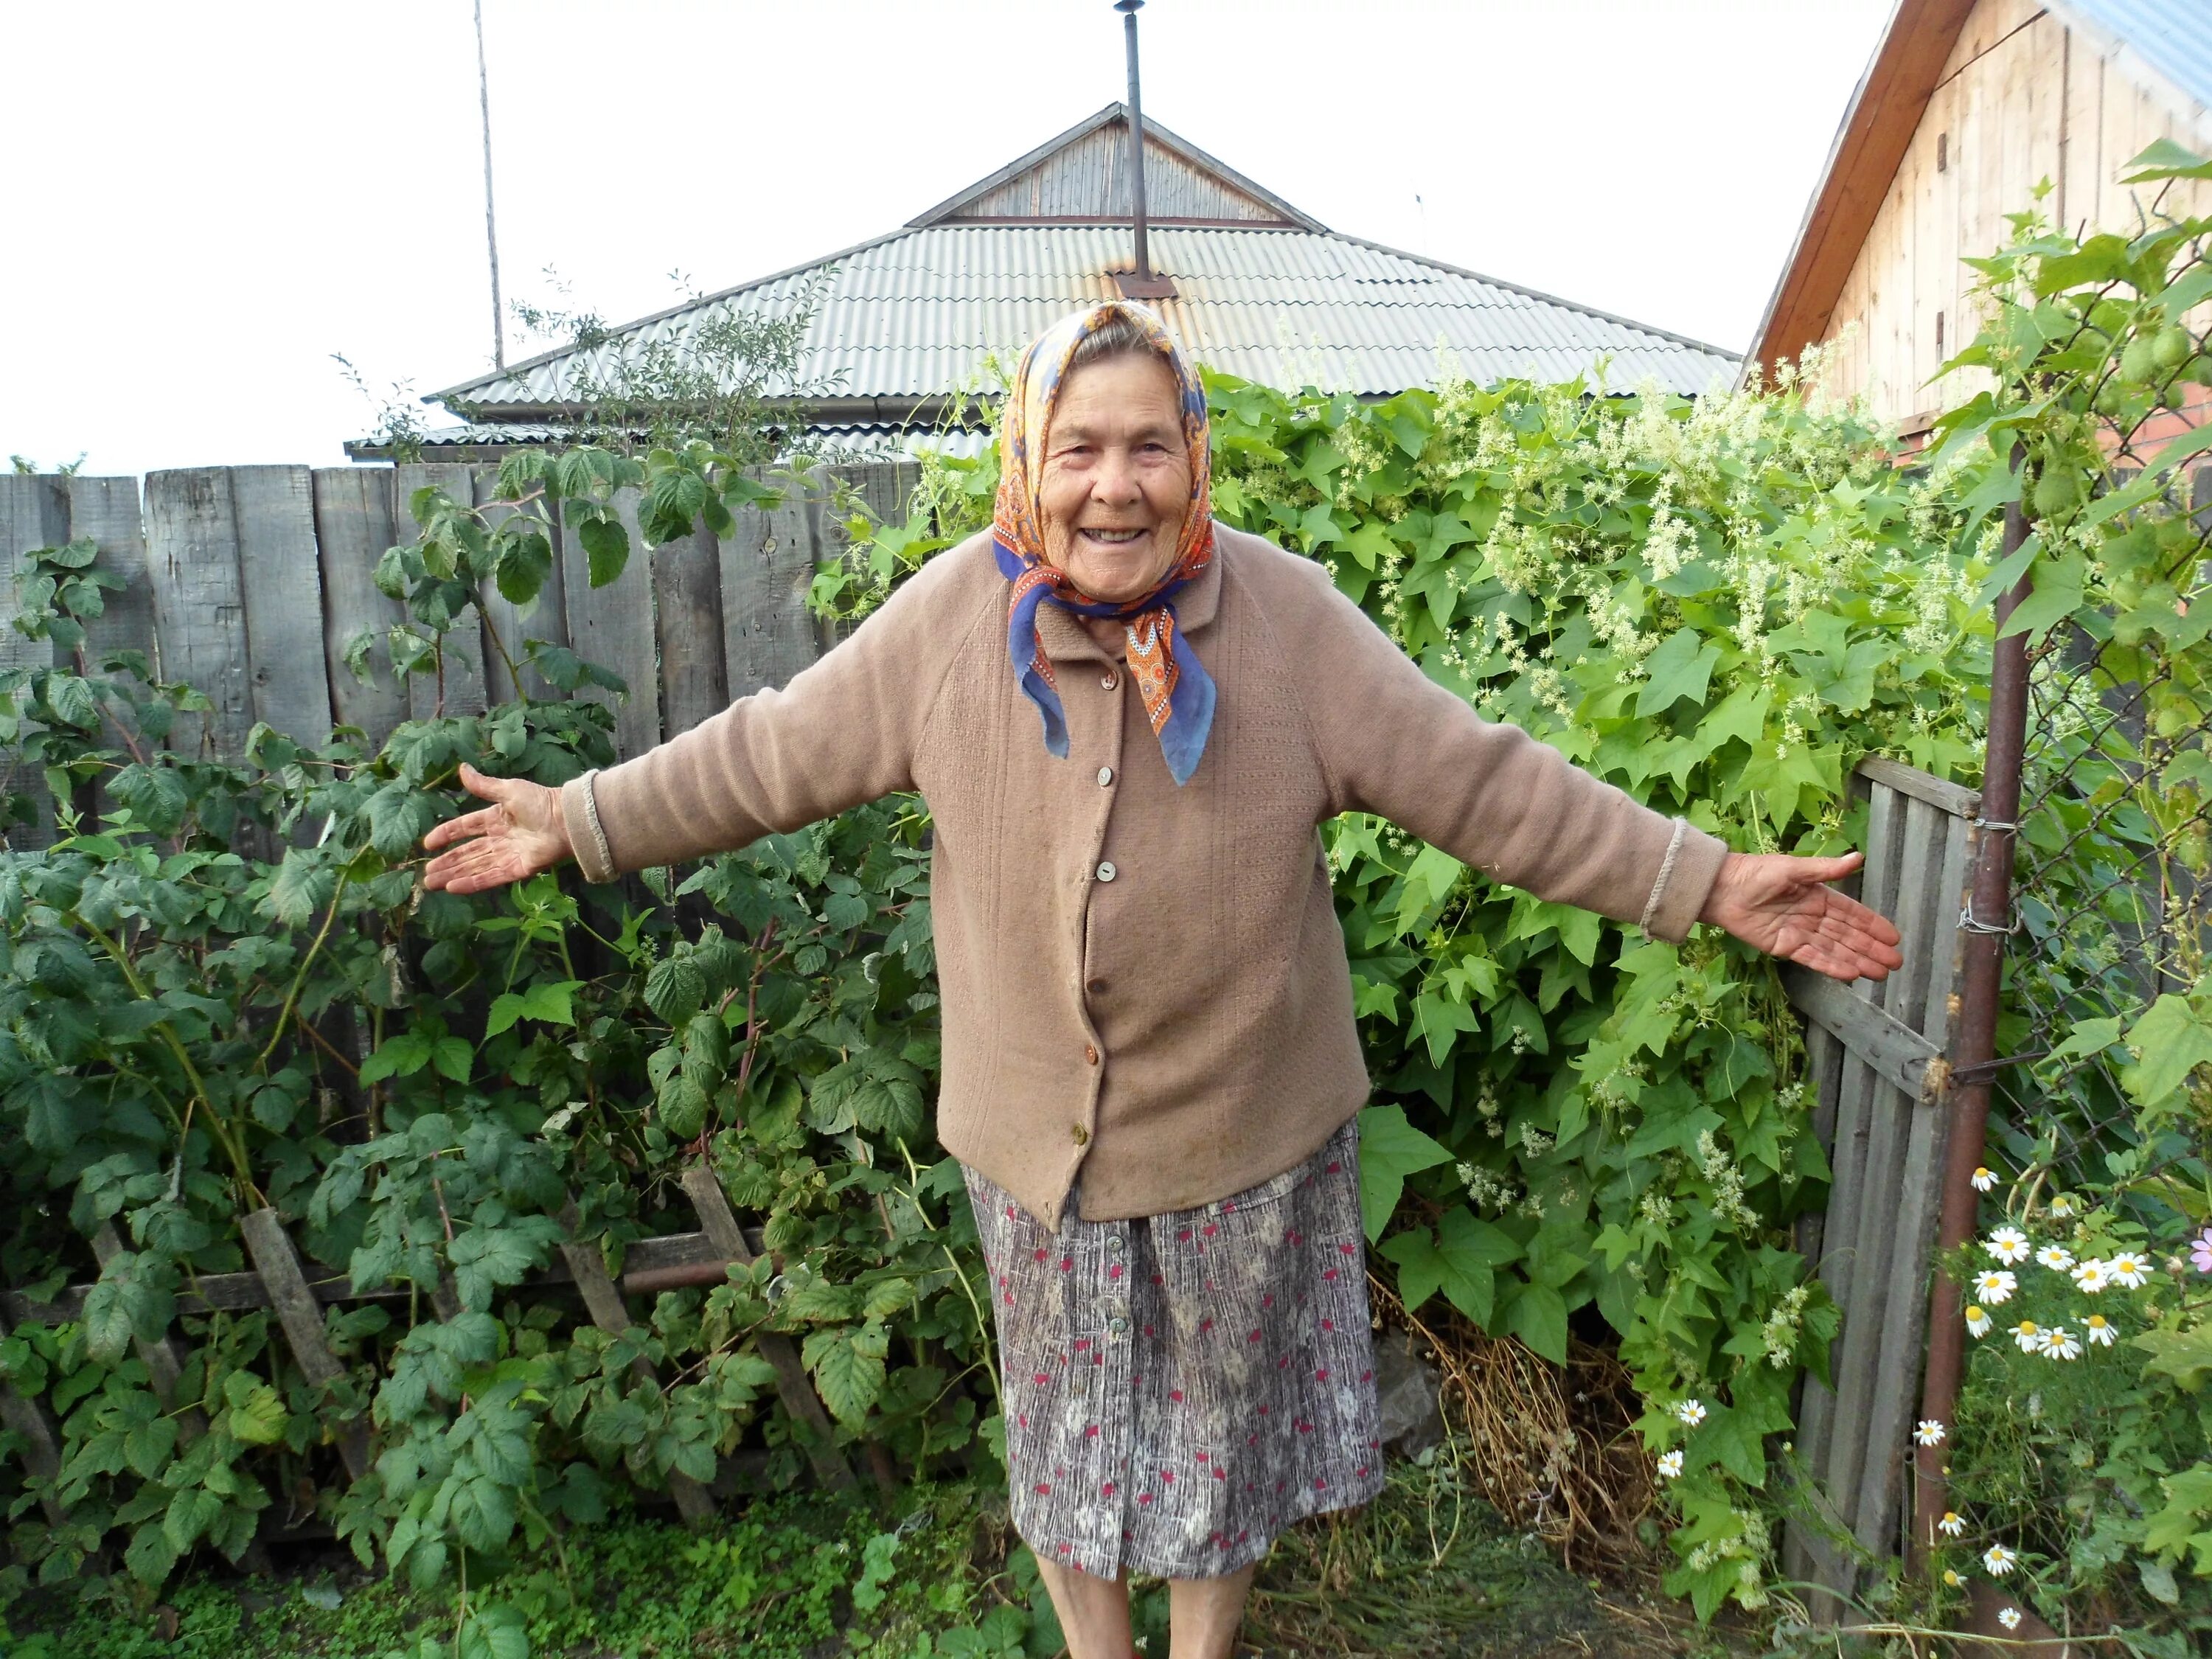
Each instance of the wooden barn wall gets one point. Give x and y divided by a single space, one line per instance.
2022 99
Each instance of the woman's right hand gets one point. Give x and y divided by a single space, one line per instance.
521 833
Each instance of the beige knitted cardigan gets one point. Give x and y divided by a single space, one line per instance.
1143 983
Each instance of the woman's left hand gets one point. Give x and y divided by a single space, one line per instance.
1781 905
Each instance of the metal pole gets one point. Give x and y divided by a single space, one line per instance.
491 224
1982 943
1129 10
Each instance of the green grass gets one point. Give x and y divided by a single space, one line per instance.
1423 1570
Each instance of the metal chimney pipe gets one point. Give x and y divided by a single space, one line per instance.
1128 8
1142 283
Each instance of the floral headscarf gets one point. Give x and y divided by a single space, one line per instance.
1178 692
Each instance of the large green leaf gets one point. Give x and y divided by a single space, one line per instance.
1390 1149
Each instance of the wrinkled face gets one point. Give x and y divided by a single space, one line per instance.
1116 477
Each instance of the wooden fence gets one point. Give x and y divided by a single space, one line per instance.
248 583
279 1281
1881 1060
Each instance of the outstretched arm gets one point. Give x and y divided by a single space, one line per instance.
1782 905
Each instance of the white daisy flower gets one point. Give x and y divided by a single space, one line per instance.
2009 1617
2092 1275
1977 1322
2128 1269
1691 1411
1995 1287
1999 1560
2061 1206
1951 1578
2062 1344
1983 1179
2057 1257
2098 1329
2008 1244
1953 1524
2029 1335
1670 1464
1929 1432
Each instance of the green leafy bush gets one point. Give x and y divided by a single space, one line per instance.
229 991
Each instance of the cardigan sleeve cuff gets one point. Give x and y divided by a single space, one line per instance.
1686 878
579 815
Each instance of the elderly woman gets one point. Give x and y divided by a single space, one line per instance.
1151 1075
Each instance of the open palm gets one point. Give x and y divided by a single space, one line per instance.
1782 905
521 834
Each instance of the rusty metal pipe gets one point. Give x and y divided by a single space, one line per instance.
1982 975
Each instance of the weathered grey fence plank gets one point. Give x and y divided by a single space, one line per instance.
106 512
353 525
768 565
33 513
278 573
458 686
199 603
612 625
687 598
544 617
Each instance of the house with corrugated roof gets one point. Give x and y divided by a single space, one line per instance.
1966 106
1251 285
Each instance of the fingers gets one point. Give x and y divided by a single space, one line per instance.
484 822
490 788
473 867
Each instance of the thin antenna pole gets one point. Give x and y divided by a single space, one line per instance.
491 221
1129 10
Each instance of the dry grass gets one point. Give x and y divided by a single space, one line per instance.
1550 1450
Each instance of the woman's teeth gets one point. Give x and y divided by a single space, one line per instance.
1114 537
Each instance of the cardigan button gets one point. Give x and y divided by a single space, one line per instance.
1109 679
1082 1135
1106 870
1090 1055
1105 776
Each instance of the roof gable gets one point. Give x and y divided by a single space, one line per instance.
1082 177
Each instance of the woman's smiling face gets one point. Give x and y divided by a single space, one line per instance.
1116 479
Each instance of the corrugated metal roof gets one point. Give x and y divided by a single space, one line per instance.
482 440
2173 37
913 314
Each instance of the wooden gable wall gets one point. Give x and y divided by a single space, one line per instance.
2023 98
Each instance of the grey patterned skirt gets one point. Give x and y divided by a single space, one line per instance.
1180 1387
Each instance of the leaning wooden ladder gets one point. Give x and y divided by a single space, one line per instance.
1880 1056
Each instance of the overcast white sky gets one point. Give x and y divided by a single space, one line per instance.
208 200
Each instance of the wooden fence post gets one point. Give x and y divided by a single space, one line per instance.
720 1223
301 1315
42 1444
603 1302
